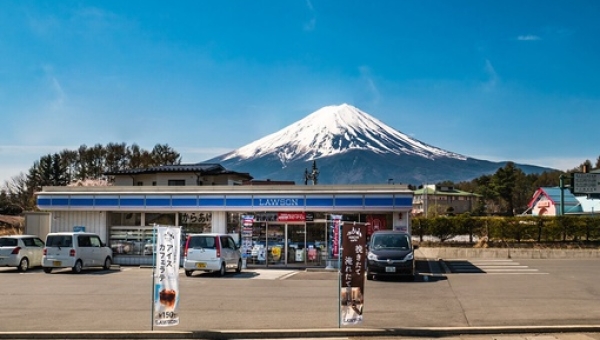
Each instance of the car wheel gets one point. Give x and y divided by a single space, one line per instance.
223 270
239 267
47 270
77 267
23 265
188 272
107 263
370 276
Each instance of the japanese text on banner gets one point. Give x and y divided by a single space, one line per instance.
166 276
354 240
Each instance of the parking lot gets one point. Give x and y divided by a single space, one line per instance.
563 292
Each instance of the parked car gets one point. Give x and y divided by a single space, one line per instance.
211 253
21 251
391 254
76 250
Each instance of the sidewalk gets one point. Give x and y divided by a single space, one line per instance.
504 253
473 333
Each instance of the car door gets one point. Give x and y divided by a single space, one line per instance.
97 251
84 247
38 252
226 250
33 250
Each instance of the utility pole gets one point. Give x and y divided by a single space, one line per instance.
313 175
561 184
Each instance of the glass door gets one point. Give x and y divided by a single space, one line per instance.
316 246
296 234
275 244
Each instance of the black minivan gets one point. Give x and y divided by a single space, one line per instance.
391 254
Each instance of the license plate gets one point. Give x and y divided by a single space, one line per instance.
200 265
56 263
390 269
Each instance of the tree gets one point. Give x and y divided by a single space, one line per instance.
16 196
165 155
116 157
504 182
69 161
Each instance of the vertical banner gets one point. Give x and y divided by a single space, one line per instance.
335 237
166 276
354 244
247 222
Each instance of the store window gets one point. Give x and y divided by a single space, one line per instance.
126 219
160 219
129 237
195 222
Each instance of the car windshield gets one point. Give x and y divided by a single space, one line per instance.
8 242
59 241
390 241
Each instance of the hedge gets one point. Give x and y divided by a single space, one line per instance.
509 229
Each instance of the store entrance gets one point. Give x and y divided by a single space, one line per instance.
297 244
275 244
288 244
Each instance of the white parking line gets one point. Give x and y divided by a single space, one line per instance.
272 274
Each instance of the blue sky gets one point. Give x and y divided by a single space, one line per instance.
495 80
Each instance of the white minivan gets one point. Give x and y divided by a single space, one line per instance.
75 250
211 253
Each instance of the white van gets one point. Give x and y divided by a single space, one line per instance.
75 250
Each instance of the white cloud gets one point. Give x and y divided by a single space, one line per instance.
529 37
310 6
311 24
365 73
492 75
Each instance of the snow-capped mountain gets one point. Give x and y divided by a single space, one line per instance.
352 147
334 130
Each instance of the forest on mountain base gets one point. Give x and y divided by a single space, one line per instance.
506 192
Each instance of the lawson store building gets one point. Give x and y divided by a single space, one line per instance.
276 225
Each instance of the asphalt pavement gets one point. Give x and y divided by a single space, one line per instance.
452 299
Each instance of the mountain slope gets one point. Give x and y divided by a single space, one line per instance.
352 147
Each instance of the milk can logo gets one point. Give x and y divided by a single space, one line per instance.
354 235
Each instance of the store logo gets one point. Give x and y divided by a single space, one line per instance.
278 202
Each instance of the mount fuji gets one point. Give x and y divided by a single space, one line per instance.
350 146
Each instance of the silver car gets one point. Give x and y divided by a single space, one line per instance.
211 253
21 251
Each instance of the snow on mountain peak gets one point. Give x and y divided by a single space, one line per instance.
333 130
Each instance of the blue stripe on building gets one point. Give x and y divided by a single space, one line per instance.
250 202
106 201
158 201
131 201
211 202
82 201
184 201
348 201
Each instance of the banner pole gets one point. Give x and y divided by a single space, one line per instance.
340 274
154 231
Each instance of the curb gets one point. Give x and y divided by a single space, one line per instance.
434 332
